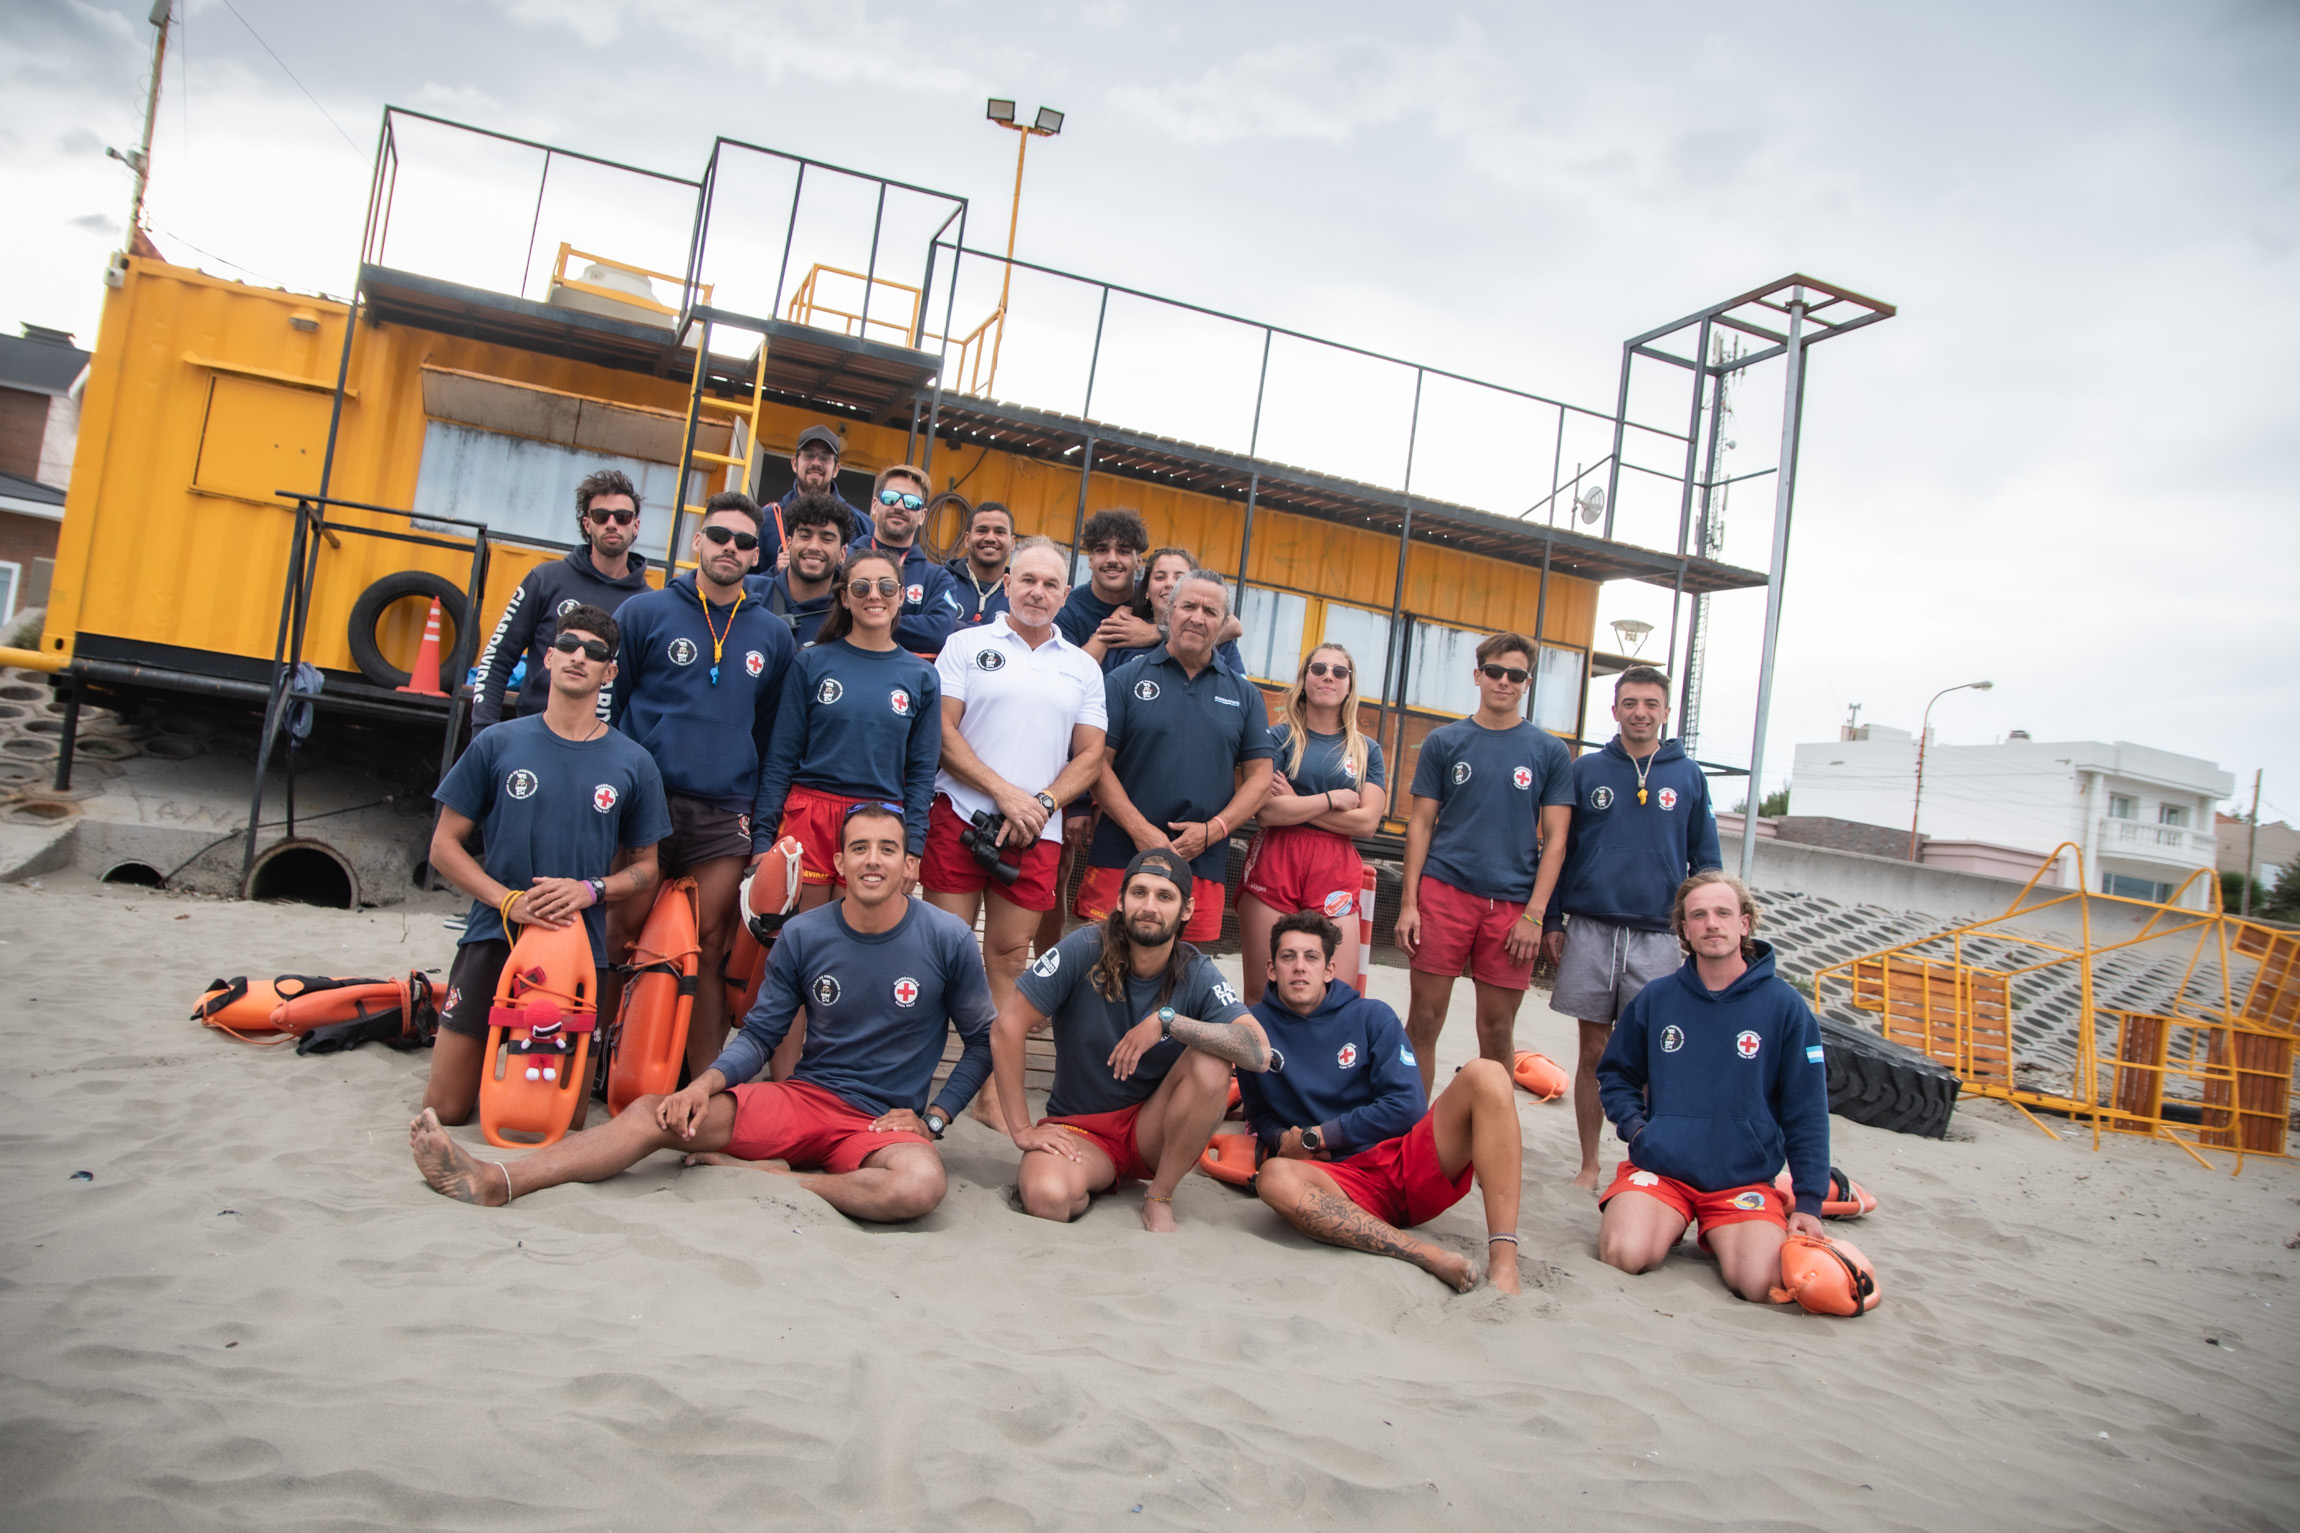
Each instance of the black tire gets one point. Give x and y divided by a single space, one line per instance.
1885 1085
367 613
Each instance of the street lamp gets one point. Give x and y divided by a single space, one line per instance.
1046 124
1924 730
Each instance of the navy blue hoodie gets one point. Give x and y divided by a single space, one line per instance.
1624 860
708 739
530 622
1348 1071
1716 1090
774 593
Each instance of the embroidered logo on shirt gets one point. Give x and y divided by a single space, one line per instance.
567 606
830 691
1460 773
603 797
1348 1056
1340 903
1521 778
1047 964
520 784
683 651
826 990
1349 768
1601 798
899 701
991 660
754 662
1406 1055
1672 1038
1749 1202
743 826
906 991
1147 691
1644 1179
1668 797
1813 1055
914 595
1230 701
1222 993
1746 1043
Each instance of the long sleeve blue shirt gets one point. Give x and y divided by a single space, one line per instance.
707 735
863 723
1716 1089
1348 1071
1625 859
931 603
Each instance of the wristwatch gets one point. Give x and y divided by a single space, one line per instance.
1047 799
935 1121
1312 1140
1165 1021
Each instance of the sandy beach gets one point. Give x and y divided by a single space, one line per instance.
256 1315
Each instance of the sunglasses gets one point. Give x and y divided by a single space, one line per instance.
1508 673
744 541
568 644
887 586
901 498
871 804
1321 668
619 518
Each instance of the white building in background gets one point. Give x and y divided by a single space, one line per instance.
2144 817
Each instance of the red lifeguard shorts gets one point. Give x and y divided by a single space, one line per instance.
1708 1210
818 819
1113 1132
1300 867
950 868
1400 1181
1460 928
1098 895
813 1129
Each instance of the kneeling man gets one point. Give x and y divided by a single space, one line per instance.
1355 1153
881 977
1145 1032
1712 1078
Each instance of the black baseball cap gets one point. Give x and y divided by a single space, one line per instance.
1163 863
822 434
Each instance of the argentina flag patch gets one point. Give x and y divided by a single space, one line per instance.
1813 1055
1406 1055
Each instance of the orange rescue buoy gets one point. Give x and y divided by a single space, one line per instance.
770 891
1845 1199
1230 1158
658 1000
293 1004
1541 1075
744 971
539 1038
1826 1276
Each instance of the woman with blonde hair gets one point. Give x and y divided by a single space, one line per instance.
1329 787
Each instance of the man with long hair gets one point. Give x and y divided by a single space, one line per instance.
1146 1031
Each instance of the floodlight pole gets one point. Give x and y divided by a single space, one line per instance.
2251 846
1784 493
1025 132
1924 730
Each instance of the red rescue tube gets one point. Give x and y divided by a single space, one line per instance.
1826 1276
1541 1075
1229 1158
539 1038
658 1000
1846 1198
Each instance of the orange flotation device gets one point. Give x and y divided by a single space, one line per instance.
1541 1075
1237 1107
293 1006
539 1038
743 972
1846 1198
1826 1276
658 1001
770 891
1230 1158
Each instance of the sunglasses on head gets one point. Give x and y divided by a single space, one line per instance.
861 584
619 518
568 644
1323 668
855 809
745 541
1508 673
902 498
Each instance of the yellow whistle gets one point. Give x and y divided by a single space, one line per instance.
1641 795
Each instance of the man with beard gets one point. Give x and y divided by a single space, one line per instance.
604 573
800 594
931 606
979 574
814 471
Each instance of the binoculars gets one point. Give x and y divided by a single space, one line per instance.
980 837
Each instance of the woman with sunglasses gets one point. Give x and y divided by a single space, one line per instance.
930 605
861 721
1329 788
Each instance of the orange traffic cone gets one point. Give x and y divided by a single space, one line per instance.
424 679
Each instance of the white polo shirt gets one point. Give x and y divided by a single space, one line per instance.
1021 705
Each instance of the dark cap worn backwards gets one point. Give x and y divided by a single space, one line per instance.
822 434
1164 864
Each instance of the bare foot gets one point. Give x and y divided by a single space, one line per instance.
1501 1266
987 1112
1448 1268
1158 1215
721 1158
450 1171
1587 1180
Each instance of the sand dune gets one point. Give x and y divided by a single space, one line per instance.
255 1315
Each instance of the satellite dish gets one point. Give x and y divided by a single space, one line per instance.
1591 502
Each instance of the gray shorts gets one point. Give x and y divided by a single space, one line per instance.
1604 966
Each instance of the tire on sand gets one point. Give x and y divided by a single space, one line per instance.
1885 1085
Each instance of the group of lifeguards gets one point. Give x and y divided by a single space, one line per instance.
983 734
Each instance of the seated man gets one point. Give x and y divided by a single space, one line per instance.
1353 1157
1713 1076
1145 1032
880 976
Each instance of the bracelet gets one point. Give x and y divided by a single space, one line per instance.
1491 1238
503 908
1329 801
1224 824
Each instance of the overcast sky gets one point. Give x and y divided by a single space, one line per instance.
2067 466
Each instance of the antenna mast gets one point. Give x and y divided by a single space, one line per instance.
139 160
1709 542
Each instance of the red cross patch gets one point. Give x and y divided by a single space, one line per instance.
900 702
914 595
1348 1056
1668 798
1522 776
1746 1043
603 797
906 991
754 662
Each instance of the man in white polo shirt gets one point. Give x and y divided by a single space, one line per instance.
1022 724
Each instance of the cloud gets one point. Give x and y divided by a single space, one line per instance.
94 223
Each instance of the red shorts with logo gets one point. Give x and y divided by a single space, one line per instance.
1300 867
1098 896
1113 1132
1400 1181
949 868
819 820
813 1129
1460 928
1710 1210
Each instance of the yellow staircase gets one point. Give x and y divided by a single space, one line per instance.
722 470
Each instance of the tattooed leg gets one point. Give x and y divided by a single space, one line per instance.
1306 1198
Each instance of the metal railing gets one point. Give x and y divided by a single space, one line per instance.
567 252
2172 843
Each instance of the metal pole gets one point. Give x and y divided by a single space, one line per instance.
1685 501
870 270
1620 425
1784 491
1393 656
1688 707
949 307
1254 480
142 164
1078 520
2251 847
1006 283
1556 465
790 232
536 223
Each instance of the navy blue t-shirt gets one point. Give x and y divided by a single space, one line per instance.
1491 786
1226 652
1325 761
1178 740
1088 1025
864 723
548 807
1083 612
877 1005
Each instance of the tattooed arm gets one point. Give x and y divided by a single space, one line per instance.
1240 1043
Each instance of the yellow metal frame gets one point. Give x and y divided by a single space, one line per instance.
2123 1094
733 469
559 278
969 375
